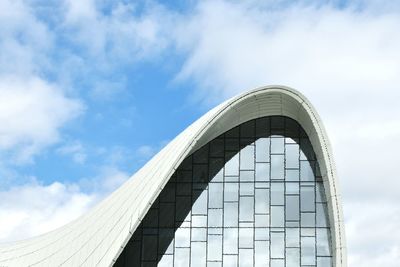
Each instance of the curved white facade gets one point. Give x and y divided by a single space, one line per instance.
97 238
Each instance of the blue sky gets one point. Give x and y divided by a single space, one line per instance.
90 90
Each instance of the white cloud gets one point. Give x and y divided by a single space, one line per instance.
121 35
31 113
76 150
24 40
346 61
32 109
34 208
146 151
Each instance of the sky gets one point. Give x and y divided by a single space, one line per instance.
90 90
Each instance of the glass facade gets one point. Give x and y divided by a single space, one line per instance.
251 197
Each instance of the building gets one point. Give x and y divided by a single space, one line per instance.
251 183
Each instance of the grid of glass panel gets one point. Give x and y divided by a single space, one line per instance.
251 197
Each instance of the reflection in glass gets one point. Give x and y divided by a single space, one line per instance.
292 208
277 245
292 257
261 252
198 254
307 250
231 240
277 145
262 150
247 158
214 247
277 167
293 237
292 156
277 216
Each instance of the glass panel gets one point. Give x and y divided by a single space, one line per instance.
201 155
277 194
216 171
277 245
168 193
262 172
292 156
262 150
322 215
215 218
246 237
166 261
277 216
247 176
247 129
200 174
199 234
323 248
230 261
324 262
247 158
308 219
199 221
277 145
234 132
262 201
232 144
292 237
231 214
231 192
307 202
232 166
215 195
231 240
277 122
261 220
246 257
166 215
292 257
262 127
261 252
246 209
182 257
182 237
308 231
306 172
277 167
292 175
320 192
247 189
183 189
308 251
214 264
200 205
277 263
292 188
214 247
261 234
306 152
292 208
149 247
217 148
198 254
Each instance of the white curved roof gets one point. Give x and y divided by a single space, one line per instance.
98 237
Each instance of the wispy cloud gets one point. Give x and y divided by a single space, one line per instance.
32 111
35 208
75 150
